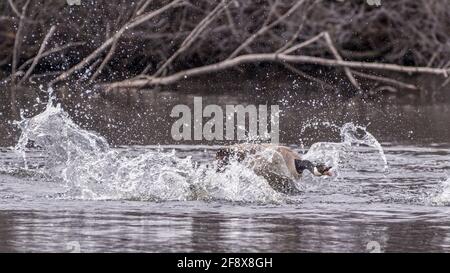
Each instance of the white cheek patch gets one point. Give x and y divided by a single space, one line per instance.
316 172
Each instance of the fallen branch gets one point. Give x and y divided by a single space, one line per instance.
42 75
338 57
20 71
194 34
18 13
134 23
143 7
358 32
50 52
303 44
38 55
365 65
14 8
114 45
271 57
105 61
299 29
384 88
265 28
333 50
233 27
385 80
291 41
308 77
6 18
17 41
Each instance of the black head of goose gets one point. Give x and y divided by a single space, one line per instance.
317 170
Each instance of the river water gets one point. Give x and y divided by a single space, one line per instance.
97 175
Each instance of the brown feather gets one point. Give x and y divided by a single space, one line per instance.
273 162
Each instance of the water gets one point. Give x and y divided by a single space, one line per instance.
64 188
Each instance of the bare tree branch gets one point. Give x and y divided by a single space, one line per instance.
18 41
308 77
39 54
105 61
272 57
136 22
6 18
304 44
265 28
144 6
194 34
52 51
291 41
14 8
386 80
339 58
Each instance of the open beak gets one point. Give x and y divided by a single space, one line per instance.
328 172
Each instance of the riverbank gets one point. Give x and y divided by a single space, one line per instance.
60 43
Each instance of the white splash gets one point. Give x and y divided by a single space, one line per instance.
347 153
357 135
84 162
443 197
92 170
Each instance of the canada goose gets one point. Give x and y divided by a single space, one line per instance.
279 165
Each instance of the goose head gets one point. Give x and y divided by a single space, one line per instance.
321 169
317 170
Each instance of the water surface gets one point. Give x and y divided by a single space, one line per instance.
112 189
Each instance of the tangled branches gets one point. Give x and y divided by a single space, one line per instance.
154 42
